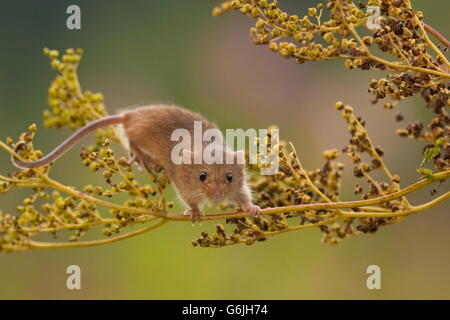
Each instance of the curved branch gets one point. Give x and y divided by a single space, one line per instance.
59 245
414 209
437 34
267 211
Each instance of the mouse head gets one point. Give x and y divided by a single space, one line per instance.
218 182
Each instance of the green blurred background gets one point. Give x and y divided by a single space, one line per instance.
140 52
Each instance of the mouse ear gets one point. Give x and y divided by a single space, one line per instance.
239 157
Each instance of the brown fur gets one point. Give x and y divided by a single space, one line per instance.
149 131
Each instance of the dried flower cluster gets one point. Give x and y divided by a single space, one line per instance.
418 65
300 197
294 198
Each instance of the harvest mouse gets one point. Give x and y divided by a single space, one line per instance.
149 130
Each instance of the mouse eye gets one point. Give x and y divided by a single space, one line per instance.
203 176
229 176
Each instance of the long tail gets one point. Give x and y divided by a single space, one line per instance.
67 144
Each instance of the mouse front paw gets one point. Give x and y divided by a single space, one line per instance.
196 215
252 209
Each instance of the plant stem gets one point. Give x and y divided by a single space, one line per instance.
413 209
238 214
437 34
59 245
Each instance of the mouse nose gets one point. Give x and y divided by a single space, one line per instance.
216 193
